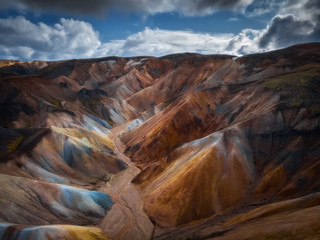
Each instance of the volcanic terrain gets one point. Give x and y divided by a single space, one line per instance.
184 146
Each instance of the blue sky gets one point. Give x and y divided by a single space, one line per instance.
65 29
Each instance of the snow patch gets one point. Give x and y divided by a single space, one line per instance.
132 62
134 124
109 63
241 66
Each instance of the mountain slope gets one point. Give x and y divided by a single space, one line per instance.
184 146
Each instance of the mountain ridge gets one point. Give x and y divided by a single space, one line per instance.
184 146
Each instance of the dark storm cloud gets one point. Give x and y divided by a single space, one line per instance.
220 3
100 7
204 5
303 25
95 7
313 4
286 30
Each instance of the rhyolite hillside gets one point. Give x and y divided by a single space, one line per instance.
184 146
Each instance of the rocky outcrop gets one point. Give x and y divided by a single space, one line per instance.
184 146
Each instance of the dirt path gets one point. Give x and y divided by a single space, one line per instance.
126 219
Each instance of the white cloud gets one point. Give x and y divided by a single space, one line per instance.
295 21
77 39
261 7
233 19
67 39
158 42
22 39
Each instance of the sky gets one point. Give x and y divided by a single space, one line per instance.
69 29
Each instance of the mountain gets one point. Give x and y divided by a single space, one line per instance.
184 146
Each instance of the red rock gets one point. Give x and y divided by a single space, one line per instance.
186 146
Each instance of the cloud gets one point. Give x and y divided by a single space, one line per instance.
312 4
86 7
100 7
262 7
159 42
22 39
297 21
204 7
301 9
286 30
67 39
70 38
233 19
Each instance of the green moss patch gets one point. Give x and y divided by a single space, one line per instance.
298 89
